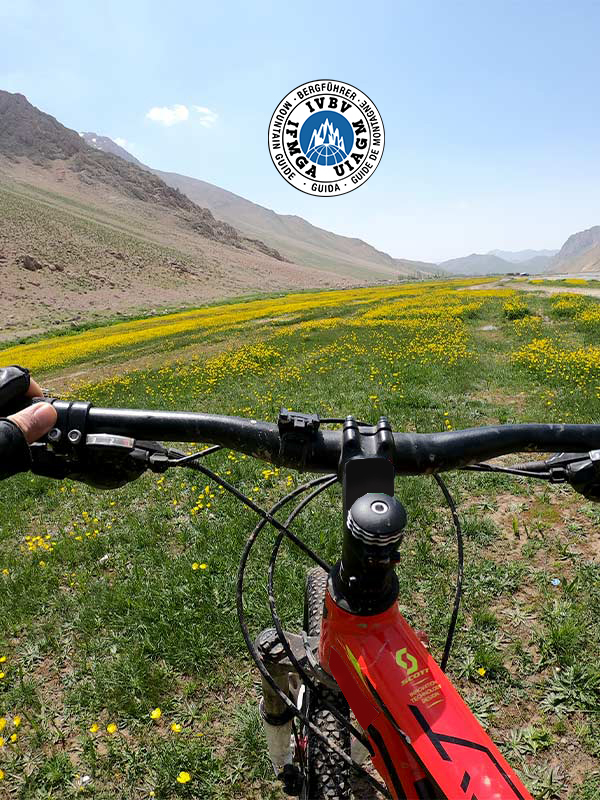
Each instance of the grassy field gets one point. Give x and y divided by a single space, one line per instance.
115 604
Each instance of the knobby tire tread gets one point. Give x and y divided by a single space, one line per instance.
328 777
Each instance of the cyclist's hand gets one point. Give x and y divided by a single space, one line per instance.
27 425
16 386
34 421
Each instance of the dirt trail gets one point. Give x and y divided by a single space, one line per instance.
525 287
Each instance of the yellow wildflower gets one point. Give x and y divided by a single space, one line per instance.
2 723
13 738
481 671
94 728
195 565
156 714
112 728
16 721
184 777
176 727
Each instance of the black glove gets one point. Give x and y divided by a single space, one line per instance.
14 451
14 383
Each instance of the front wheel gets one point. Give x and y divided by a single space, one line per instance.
327 776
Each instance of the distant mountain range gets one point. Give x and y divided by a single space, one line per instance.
298 240
304 243
518 256
493 264
580 253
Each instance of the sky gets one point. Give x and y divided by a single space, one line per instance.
491 110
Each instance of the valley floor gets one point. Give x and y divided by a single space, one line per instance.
121 602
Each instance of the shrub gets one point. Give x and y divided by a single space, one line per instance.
515 309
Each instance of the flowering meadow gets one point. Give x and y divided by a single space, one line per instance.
122 669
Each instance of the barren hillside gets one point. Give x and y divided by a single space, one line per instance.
83 233
297 239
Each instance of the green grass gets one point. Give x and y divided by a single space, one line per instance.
99 319
109 620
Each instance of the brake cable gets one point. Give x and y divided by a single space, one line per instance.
277 620
255 656
508 470
459 573
459 540
185 460
321 484
190 463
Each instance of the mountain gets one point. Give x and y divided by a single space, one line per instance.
586 262
328 136
517 256
26 132
580 253
490 264
478 264
294 237
86 233
537 264
107 145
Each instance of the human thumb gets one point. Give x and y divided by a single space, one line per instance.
35 420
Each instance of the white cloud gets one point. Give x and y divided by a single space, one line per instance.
207 117
169 115
122 142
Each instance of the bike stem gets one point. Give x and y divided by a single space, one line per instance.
364 581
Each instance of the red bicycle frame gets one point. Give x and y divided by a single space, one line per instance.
423 734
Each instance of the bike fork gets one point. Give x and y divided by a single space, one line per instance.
276 715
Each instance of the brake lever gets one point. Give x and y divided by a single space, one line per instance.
580 471
584 476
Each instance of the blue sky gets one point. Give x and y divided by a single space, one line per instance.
490 109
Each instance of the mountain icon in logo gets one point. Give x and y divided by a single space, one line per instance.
326 146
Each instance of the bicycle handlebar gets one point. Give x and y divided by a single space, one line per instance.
412 454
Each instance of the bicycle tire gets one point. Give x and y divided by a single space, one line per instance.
327 776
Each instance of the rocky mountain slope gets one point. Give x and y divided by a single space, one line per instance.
297 239
580 253
301 241
108 146
26 132
83 233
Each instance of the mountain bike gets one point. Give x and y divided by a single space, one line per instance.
357 681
